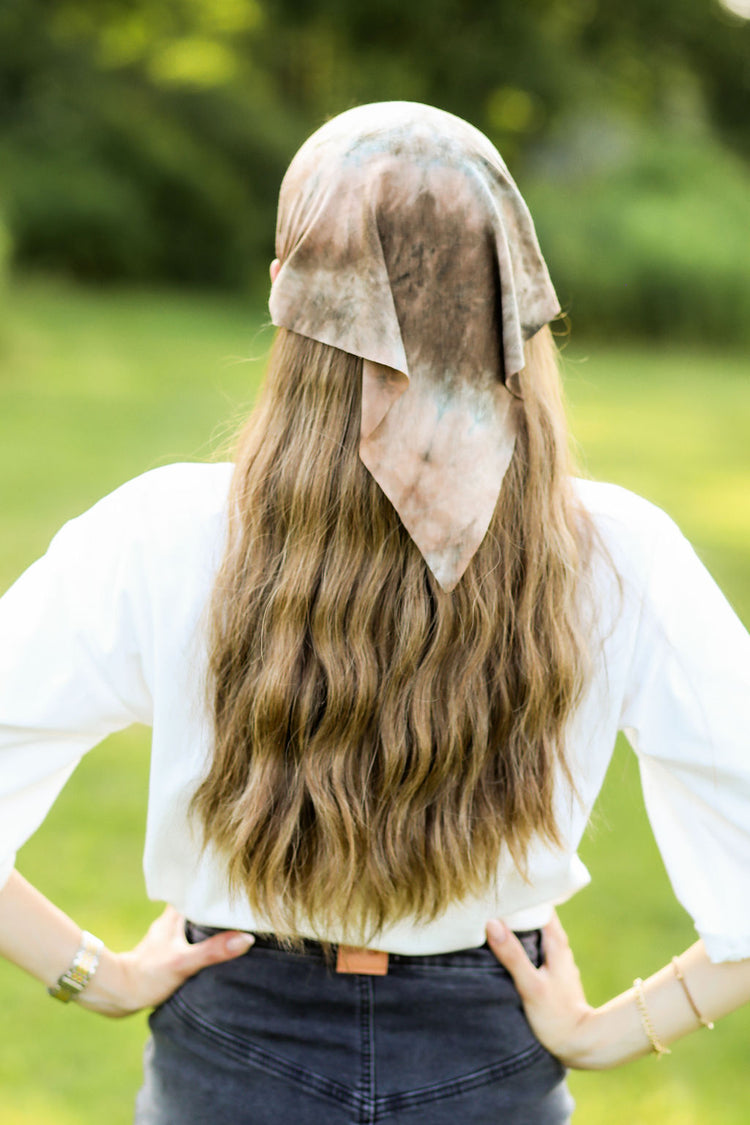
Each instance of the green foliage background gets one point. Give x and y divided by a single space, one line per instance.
97 386
146 139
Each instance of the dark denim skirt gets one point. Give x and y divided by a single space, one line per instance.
273 1037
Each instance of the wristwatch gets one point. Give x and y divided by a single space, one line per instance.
80 971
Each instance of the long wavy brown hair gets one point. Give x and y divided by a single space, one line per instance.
377 741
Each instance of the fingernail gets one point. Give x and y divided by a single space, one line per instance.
240 943
496 930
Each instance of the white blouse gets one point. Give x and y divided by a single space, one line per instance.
108 629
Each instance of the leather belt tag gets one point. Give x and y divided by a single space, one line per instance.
350 959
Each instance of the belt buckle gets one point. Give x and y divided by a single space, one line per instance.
352 959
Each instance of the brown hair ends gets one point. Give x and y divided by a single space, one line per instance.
378 742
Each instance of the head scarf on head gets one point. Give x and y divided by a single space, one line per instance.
404 240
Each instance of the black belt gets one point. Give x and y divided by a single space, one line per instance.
459 958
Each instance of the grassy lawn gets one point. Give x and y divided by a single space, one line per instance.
96 387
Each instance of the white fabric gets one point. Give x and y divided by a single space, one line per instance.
107 629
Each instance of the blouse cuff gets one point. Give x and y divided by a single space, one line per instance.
719 947
6 869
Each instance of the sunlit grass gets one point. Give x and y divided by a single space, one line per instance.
96 387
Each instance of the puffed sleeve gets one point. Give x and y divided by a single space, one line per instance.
686 715
73 636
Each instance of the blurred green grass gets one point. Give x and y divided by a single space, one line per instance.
99 385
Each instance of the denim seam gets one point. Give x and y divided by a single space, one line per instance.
243 1051
367 1072
369 1107
461 1084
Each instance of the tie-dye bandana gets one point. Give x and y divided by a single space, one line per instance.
404 240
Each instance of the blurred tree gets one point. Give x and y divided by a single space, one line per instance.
147 138
484 60
138 140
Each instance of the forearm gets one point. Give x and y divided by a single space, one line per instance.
41 939
589 1038
34 934
615 1034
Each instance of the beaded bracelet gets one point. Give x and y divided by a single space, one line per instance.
80 971
648 1027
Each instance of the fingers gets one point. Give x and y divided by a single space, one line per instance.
557 951
220 947
167 927
512 955
173 923
554 931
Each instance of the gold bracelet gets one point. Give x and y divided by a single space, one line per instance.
648 1027
80 971
678 973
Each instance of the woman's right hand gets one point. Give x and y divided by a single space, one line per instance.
147 975
552 996
41 939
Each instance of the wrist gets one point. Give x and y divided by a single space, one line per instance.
73 981
609 1036
586 1048
110 991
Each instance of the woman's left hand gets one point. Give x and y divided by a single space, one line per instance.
147 975
552 996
